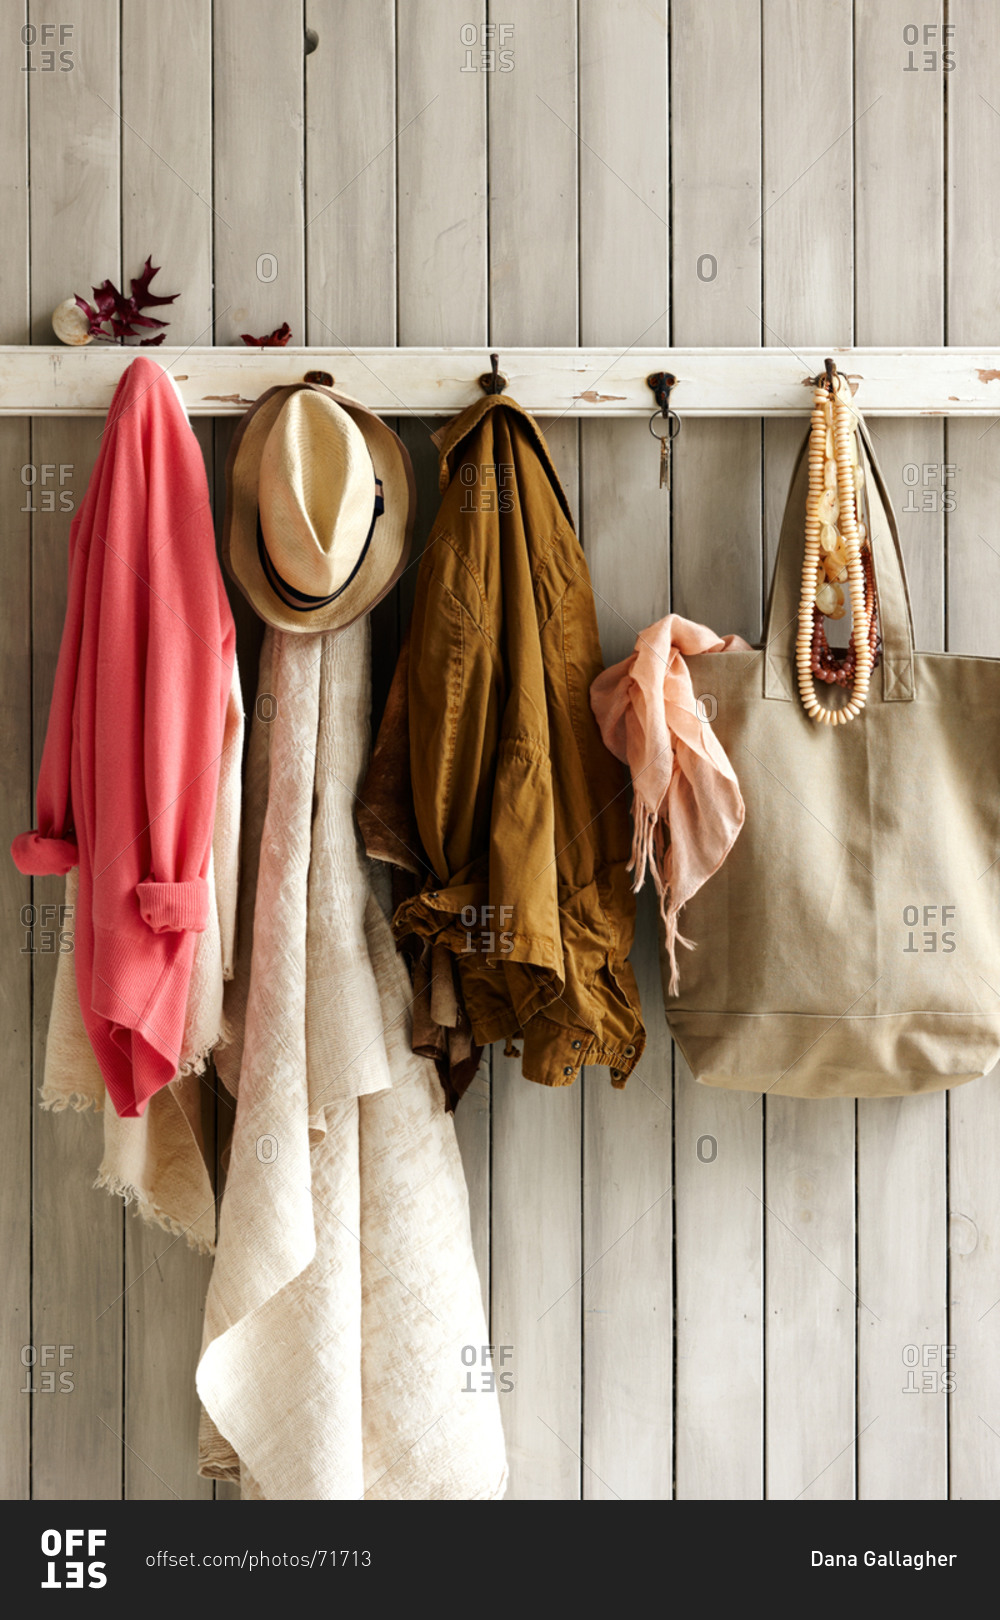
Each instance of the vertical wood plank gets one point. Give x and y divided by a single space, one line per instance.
809 1147
627 1288
806 218
166 211
902 1446
973 572
533 176
74 138
258 148
16 780
74 135
167 157
14 184
442 204
536 1226
351 156
902 1189
715 154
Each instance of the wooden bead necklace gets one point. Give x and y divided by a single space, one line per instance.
837 553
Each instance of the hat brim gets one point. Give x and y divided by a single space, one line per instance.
388 551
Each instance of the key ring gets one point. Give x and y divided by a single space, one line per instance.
673 422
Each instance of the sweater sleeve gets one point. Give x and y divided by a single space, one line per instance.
187 679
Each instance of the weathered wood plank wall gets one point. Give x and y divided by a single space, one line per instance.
702 1295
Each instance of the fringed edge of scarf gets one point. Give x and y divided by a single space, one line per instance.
650 847
199 1063
151 1212
57 1102
218 1461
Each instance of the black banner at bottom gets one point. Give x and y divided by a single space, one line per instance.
185 1552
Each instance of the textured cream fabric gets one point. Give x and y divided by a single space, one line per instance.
345 1287
157 1162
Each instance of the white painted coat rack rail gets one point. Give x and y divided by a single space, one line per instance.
64 381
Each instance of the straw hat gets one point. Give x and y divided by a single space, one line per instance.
319 508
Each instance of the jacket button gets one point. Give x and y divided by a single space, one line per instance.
568 1070
433 894
576 1045
629 1051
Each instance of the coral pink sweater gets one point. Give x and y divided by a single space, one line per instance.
130 769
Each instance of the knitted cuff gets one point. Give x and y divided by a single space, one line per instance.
174 907
44 857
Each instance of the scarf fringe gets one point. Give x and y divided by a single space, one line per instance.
199 1062
650 848
151 1212
57 1102
644 825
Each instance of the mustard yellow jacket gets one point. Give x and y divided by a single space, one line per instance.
522 812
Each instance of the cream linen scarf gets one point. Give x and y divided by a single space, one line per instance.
344 1289
157 1162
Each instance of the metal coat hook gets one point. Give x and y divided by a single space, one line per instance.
827 378
661 382
492 381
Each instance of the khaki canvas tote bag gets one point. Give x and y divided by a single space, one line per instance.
850 944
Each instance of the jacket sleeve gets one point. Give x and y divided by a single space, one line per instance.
187 678
480 770
452 720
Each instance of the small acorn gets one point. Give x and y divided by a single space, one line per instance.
70 324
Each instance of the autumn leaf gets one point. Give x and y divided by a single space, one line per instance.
112 309
142 298
273 340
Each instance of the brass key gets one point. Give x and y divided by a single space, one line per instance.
665 426
665 462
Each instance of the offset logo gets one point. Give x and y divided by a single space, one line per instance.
929 929
64 1568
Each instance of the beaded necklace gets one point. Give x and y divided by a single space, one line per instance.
837 553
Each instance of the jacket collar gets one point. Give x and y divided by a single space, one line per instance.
451 437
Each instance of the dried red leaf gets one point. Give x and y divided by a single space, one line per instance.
142 298
107 298
121 314
273 340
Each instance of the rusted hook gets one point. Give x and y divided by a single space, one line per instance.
661 383
492 382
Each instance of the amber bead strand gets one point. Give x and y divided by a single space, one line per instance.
810 561
833 529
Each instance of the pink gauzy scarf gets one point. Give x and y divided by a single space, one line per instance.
688 809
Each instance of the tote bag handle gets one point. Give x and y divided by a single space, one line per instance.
892 594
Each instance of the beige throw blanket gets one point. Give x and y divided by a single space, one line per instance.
345 1290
